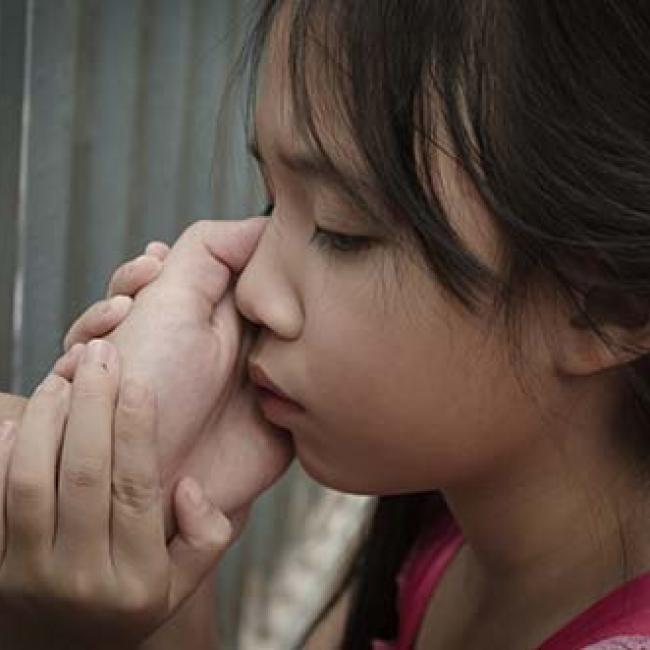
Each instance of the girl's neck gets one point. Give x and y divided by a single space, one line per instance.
554 528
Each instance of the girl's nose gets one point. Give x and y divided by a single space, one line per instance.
265 294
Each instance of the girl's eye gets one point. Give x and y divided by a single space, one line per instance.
331 241
334 241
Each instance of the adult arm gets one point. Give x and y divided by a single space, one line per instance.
193 625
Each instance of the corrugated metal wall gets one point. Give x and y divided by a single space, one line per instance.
110 130
107 140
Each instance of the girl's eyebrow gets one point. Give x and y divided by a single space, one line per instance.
305 163
313 167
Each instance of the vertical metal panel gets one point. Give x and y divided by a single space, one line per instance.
106 90
166 46
236 182
214 44
49 178
13 17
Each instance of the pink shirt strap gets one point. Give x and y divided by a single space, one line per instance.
419 577
619 621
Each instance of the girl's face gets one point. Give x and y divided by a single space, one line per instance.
402 390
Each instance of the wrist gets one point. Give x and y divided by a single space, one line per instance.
193 625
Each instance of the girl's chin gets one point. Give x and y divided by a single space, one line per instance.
325 474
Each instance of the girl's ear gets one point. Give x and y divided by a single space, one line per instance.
625 324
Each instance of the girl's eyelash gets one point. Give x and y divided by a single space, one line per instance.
338 242
332 241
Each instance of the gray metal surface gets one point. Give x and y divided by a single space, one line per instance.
12 68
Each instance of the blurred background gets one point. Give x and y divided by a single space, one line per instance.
109 139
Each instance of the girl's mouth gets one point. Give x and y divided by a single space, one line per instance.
277 409
276 405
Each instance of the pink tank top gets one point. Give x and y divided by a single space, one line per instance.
619 621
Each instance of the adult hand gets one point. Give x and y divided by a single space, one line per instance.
184 335
83 556
101 318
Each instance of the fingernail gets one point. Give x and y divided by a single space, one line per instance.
7 431
117 303
98 351
51 384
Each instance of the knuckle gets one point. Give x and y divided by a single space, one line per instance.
142 598
85 473
99 320
136 399
121 276
93 383
136 492
127 269
25 491
99 312
82 585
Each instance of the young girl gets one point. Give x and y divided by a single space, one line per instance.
452 300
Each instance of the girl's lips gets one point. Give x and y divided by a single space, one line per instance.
268 390
276 409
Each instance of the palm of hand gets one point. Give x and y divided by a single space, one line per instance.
194 354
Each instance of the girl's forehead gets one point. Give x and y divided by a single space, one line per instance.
282 136
313 78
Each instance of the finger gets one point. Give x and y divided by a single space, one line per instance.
204 535
98 320
229 243
129 278
31 483
85 471
234 242
7 437
67 365
157 249
137 510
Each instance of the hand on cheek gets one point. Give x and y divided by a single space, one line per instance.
83 549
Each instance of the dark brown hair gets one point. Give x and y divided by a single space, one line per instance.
547 104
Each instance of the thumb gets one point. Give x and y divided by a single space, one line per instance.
204 533
208 253
234 242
